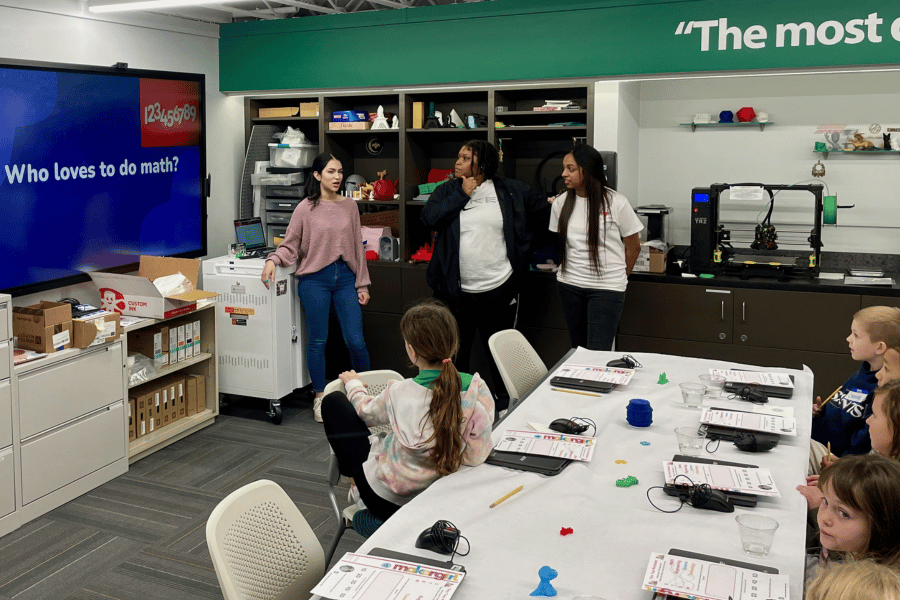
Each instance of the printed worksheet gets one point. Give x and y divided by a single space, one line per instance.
595 373
754 377
704 580
746 480
358 576
573 447
750 421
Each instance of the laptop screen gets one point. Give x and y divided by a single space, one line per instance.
250 233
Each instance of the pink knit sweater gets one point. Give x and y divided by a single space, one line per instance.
316 237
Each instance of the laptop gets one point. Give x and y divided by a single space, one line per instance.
250 233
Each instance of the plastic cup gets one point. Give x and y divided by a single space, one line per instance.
757 533
714 386
690 440
692 394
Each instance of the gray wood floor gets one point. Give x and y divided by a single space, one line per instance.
142 535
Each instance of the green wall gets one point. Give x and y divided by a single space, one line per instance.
508 40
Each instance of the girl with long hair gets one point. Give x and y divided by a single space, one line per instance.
599 244
324 237
440 419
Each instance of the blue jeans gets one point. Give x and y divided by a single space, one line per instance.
592 316
335 284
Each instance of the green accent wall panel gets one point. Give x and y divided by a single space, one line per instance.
510 40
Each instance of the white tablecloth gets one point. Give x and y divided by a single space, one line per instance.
615 529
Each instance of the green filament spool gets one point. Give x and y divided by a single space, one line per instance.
830 210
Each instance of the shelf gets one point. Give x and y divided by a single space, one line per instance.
854 152
694 126
445 130
257 120
173 369
170 433
507 128
360 131
516 113
378 202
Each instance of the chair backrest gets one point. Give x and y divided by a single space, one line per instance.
377 381
262 547
520 366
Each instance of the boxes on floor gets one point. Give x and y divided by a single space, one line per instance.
135 295
652 258
43 327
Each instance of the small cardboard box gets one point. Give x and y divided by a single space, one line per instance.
152 343
309 109
357 125
132 420
43 327
349 116
190 395
96 329
279 111
651 260
196 344
135 295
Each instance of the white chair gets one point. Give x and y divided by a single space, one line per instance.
377 381
262 547
520 366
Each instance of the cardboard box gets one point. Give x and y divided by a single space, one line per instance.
279 111
96 329
132 420
157 402
190 395
196 332
173 345
189 339
651 260
357 125
43 327
309 109
418 115
180 411
349 116
152 342
135 295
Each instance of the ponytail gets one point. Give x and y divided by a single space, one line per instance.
431 330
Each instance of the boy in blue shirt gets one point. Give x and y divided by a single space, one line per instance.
841 422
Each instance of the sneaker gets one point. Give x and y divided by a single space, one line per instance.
354 498
317 409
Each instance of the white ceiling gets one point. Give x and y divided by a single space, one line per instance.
243 10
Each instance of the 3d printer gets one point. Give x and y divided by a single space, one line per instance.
713 247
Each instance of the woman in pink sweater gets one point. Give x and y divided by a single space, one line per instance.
324 238
440 420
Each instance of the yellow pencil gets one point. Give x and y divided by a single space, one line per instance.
829 449
829 398
515 491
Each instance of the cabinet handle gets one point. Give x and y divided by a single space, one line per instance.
744 312
721 336
723 310
743 338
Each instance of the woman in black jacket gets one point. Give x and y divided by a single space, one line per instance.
485 226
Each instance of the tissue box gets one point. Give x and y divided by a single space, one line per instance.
43 327
135 295
651 260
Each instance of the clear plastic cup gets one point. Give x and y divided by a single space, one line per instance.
692 394
757 533
715 385
690 440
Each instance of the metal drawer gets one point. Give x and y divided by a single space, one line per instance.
278 218
5 349
4 325
275 231
7 487
67 454
282 204
286 191
6 435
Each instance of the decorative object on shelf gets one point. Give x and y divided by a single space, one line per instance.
423 254
762 117
380 121
384 189
895 143
455 119
395 123
886 141
821 147
833 138
702 118
432 121
374 146
475 120
874 128
353 183
726 116
860 142
746 114
818 169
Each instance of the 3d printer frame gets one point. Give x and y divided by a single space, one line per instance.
711 249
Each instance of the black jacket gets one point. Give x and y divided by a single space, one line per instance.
525 211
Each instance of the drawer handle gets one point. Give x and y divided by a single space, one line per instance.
723 310
744 312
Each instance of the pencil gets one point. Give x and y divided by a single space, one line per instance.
829 398
829 449
518 489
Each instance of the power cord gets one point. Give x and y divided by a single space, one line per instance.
694 494
585 422
446 541
751 394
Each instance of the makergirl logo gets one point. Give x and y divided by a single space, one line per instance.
424 572
871 29
170 113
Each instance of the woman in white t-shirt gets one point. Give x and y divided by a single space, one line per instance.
598 239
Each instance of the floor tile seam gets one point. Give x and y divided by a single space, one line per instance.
194 459
64 567
143 508
249 473
20 575
183 562
153 482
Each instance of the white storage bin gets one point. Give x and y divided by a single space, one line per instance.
292 155
276 178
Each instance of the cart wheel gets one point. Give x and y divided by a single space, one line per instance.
277 415
223 402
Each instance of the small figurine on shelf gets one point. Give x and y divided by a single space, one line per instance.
395 124
432 120
886 137
380 122
860 142
385 188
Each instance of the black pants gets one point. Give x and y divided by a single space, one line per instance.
349 438
592 316
485 313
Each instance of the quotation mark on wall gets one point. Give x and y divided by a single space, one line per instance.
685 30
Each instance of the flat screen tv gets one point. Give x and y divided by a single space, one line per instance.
98 165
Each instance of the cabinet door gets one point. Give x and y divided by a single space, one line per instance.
868 301
70 389
7 483
6 437
539 304
5 349
678 312
793 320
384 292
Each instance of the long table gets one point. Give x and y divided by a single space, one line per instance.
615 528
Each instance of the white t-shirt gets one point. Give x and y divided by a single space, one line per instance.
620 223
483 264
